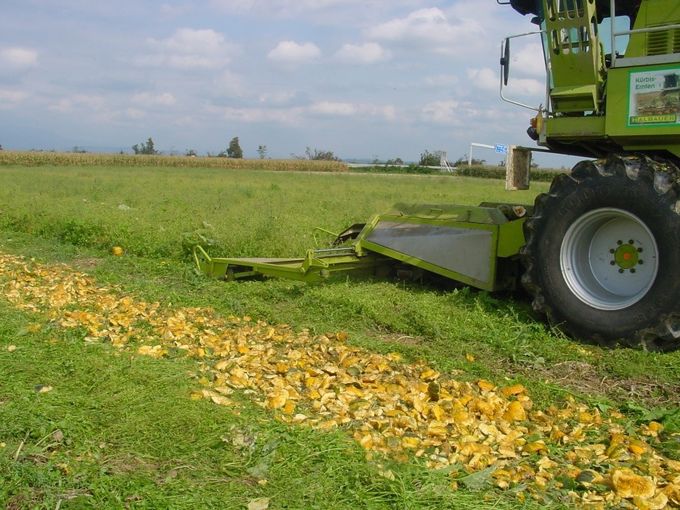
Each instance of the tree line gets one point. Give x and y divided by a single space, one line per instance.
233 150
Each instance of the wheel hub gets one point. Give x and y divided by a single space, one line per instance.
626 256
609 259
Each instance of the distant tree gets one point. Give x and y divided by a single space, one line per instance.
262 151
319 155
463 160
78 150
145 148
428 158
234 149
394 162
1 147
191 153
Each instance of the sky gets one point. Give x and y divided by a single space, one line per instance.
365 79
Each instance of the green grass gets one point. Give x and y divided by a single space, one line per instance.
162 212
154 458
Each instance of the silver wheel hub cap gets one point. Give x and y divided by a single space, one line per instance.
609 259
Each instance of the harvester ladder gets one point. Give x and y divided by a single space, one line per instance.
575 55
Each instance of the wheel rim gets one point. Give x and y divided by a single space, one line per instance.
609 259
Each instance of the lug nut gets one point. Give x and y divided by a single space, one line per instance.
630 241
620 270
612 263
612 250
619 242
632 269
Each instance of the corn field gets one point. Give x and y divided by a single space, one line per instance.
8 158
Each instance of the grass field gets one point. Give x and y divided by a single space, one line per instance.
120 430
161 212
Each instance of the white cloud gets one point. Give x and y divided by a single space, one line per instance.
134 113
18 58
189 48
10 98
229 84
485 78
86 102
266 115
296 114
367 53
527 87
151 99
301 5
278 97
488 79
333 108
296 8
528 60
457 113
175 10
292 53
442 80
443 112
61 106
430 28
345 109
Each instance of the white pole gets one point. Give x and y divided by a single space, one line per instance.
483 145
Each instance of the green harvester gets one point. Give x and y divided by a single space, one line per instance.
600 252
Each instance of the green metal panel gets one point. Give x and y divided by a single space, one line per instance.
510 238
576 128
447 212
654 13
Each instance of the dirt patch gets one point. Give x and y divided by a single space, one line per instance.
86 263
70 494
25 500
585 378
397 338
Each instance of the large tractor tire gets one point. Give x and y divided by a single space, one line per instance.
602 253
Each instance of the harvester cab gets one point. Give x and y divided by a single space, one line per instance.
600 252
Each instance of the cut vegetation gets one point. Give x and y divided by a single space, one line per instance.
336 396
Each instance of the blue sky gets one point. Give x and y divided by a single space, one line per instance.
363 78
